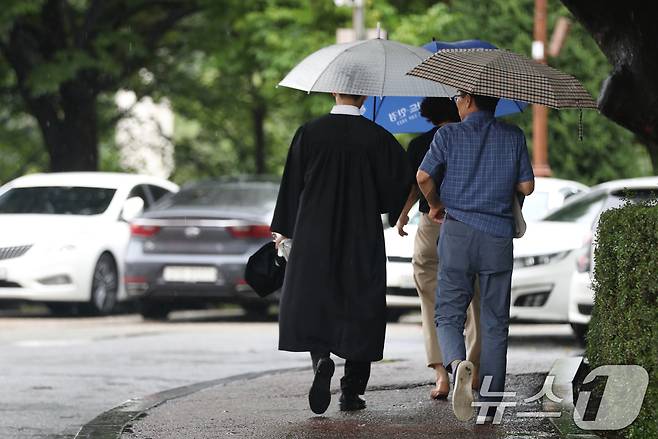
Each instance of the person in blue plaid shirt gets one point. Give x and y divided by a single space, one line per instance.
486 164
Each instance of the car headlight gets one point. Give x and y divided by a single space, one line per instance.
584 257
532 261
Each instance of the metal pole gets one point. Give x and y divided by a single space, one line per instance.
358 20
539 112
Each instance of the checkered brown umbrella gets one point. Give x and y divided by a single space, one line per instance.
503 74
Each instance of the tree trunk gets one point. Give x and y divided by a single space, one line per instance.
258 115
44 36
627 34
67 116
72 141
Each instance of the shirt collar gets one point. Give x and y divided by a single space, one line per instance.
350 110
479 115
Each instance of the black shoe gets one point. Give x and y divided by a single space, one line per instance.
319 397
350 403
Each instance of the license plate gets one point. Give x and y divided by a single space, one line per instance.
3 273
190 274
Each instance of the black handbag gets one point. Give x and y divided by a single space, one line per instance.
265 270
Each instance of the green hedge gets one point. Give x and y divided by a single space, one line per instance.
624 325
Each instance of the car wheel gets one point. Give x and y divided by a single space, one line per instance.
154 310
104 286
580 331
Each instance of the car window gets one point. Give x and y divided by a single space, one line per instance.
583 211
239 194
568 192
157 192
535 206
57 200
139 191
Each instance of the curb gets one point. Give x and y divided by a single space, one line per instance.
116 421
564 372
112 423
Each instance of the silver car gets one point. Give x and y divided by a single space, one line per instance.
190 249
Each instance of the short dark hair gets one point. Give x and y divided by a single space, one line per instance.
349 96
486 103
439 110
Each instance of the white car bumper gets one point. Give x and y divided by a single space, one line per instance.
400 275
401 289
48 277
541 293
581 302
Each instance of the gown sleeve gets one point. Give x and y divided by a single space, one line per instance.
394 177
292 184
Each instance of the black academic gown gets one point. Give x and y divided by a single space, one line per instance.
341 174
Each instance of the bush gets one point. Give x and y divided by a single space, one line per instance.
624 325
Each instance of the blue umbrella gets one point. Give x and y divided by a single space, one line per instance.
401 114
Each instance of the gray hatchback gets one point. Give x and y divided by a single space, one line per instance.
190 249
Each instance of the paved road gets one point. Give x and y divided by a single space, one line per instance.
58 373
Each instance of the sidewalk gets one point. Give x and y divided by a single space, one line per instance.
275 406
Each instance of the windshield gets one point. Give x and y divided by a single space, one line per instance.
583 211
239 195
56 200
587 209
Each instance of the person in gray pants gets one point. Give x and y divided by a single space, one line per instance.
486 164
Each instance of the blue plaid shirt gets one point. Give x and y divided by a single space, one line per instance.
484 160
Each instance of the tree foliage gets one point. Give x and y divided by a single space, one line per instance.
607 150
59 56
218 62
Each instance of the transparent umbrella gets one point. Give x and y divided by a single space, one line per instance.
368 68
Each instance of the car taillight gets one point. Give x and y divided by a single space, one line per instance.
254 231
143 231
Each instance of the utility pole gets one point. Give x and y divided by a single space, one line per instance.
539 112
359 19
358 31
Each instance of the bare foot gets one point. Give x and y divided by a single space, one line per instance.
441 390
442 383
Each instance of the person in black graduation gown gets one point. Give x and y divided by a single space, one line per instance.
342 172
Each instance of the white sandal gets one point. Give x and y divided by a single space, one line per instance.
462 395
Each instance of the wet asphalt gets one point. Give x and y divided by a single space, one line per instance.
59 374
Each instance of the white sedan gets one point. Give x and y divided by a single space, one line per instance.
64 236
553 262
549 194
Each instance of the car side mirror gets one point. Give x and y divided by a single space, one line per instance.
132 208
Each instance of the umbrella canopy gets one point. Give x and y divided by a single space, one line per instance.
368 68
402 114
503 74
